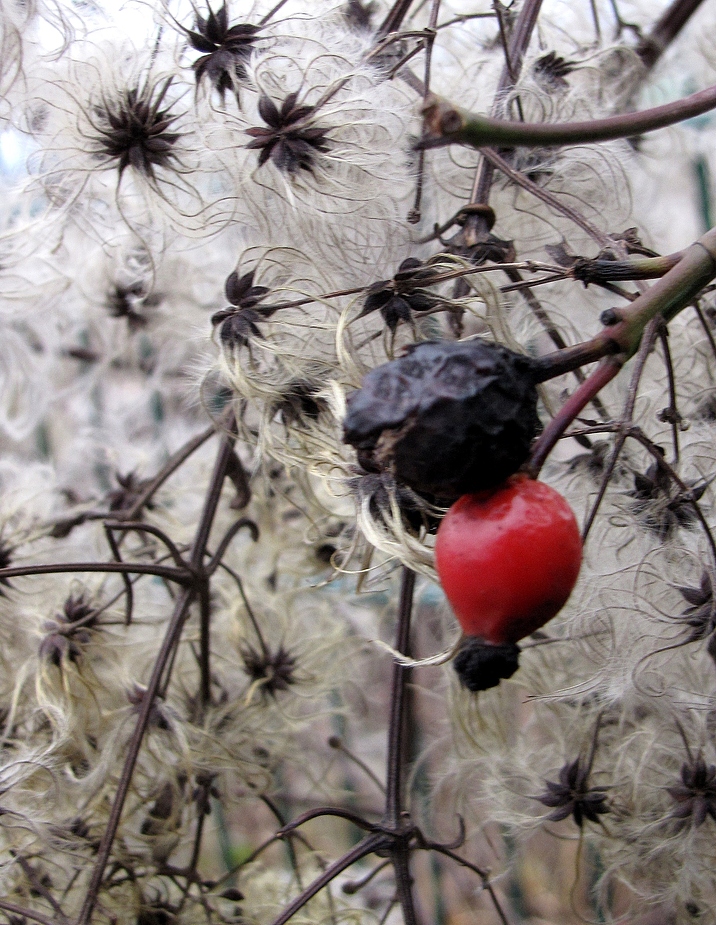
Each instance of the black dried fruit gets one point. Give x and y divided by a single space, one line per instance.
481 665
447 418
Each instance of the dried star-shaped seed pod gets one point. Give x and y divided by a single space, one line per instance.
129 490
447 418
225 49
133 130
551 69
69 632
399 297
126 302
660 509
290 140
572 795
240 322
271 671
695 796
298 401
700 615
358 14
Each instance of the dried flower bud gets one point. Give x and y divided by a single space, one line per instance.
447 418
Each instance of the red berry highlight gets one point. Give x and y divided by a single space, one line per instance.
508 559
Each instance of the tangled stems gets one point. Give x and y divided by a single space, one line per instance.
447 124
176 623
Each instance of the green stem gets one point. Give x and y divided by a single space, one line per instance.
620 341
669 295
447 124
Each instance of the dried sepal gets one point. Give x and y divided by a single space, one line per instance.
134 130
573 795
695 796
69 632
291 138
398 298
225 49
270 671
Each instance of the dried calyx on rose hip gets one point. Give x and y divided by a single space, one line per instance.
447 418
481 665
507 560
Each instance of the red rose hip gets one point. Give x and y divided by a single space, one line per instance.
508 559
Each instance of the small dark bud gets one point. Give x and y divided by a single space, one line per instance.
481 665
609 317
447 418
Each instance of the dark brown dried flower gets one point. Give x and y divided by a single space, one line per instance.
70 631
273 671
298 401
660 508
158 913
700 615
594 461
240 321
158 715
291 140
225 49
127 302
133 130
203 792
551 69
398 297
163 808
383 494
572 795
695 796
129 489
359 14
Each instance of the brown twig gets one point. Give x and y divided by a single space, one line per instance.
171 639
670 23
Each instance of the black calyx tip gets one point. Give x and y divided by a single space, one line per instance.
481 665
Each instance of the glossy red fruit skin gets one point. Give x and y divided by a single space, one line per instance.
508 558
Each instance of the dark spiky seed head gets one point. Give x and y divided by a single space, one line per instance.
300 401
127 301
447 418
398 298
291 139
700 615
660 506
275 670
573 796
695 796
133 130
225 49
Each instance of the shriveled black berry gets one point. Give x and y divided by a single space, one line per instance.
447 418
481 665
